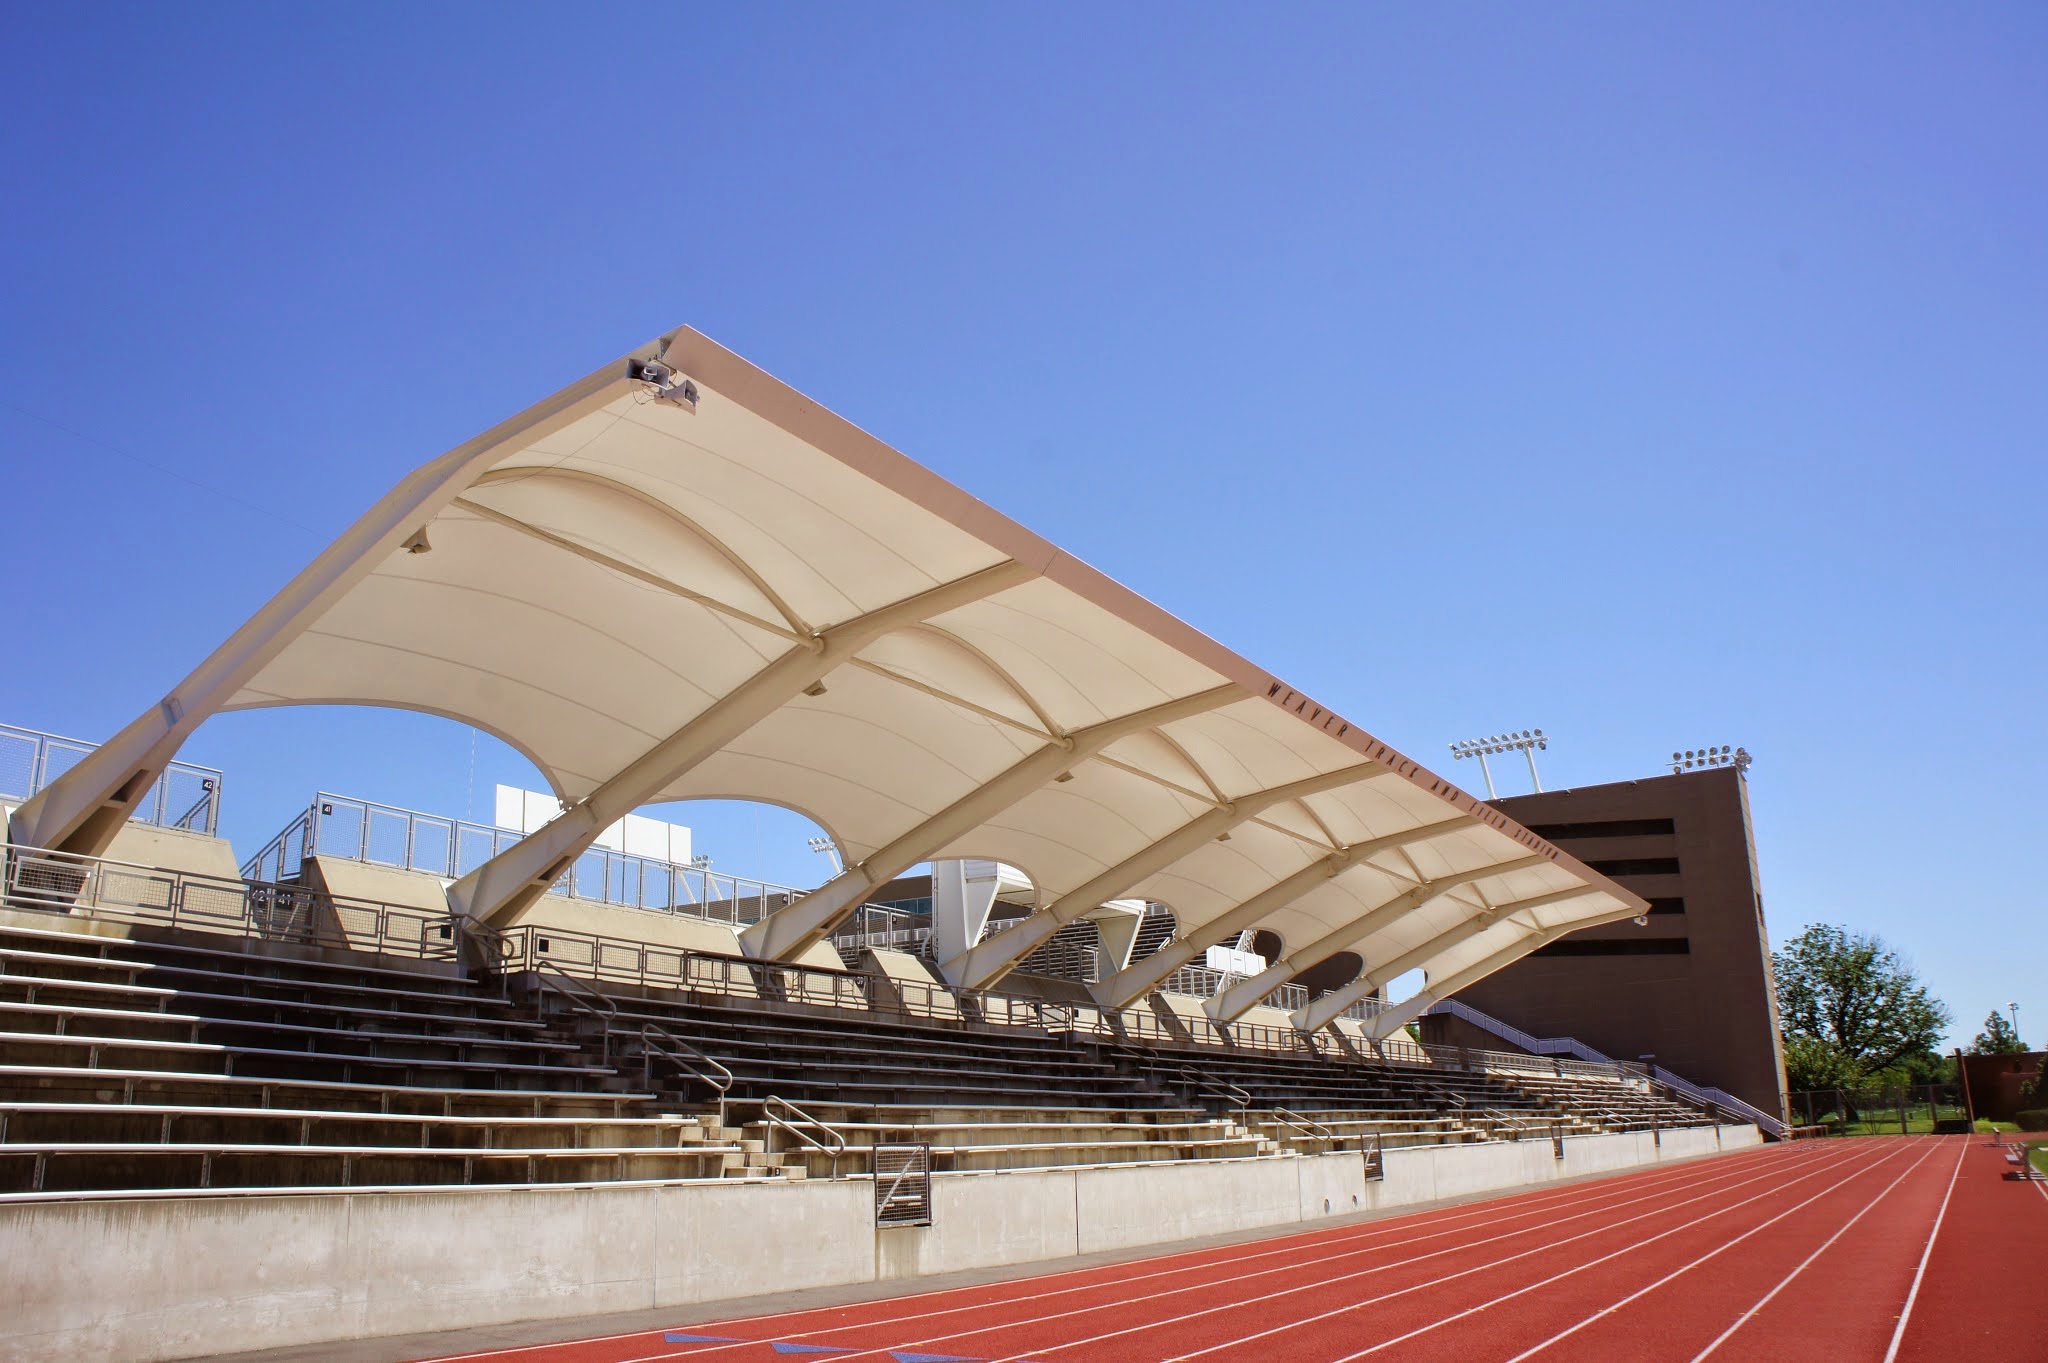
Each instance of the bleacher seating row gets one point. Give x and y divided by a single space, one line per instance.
197 1063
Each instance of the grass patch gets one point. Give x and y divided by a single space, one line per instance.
2039 1156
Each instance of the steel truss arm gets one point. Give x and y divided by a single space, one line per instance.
1234 1002
786 933
1132 983
1400 1014
982 965
1320 1012
498 891
82 810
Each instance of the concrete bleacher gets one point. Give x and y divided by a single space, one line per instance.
137 1057
130 1064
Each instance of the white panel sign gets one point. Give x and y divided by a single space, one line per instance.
635 834
1231 961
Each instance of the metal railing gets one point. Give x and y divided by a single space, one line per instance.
410 840
1203 982
1305 1128
656 1041
41 881
835 1150
1595 1064
1720 1098
646 965
185 797
659 1043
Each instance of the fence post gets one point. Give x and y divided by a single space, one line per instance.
1969 1103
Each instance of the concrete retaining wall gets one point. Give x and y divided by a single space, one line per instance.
153 1279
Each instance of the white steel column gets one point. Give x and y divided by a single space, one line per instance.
506 885
982 965
1140 978
83 809
1319 1012
961 904
1240 998
785 934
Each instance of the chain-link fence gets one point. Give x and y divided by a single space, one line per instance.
1913 1109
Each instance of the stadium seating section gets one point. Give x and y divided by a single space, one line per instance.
192 1062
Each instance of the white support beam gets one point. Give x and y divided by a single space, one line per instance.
1140 978
1234 1002
960 904
787 932
83 809
1398 1015
982 965
498 891
1319 1012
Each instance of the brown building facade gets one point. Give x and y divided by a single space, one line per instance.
1693 986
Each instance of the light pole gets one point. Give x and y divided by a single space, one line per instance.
831 849
1526 743
2014 1009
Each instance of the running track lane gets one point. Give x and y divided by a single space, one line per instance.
1595 1254
1981 1297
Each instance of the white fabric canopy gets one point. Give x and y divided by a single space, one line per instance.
693 585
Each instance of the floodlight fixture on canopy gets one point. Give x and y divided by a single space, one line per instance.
681 579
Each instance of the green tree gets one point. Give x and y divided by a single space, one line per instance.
1998 1037
1851 1008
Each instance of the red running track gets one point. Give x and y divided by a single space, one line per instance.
1894 1250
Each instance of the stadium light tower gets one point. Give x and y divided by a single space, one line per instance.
2014 1009
1526 743
1695 758
831 849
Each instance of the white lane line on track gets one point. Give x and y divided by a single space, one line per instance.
1824 1165
1836 1186
1529 1200
1602 1194
1723 1248
1806 1263
1899 1334
1235 1305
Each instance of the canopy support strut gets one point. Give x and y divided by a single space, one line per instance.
504 887
790 930
1240 998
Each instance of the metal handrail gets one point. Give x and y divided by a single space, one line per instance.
1215 1088
769 1116
656 1039
582 999
1517 1125
1308 1126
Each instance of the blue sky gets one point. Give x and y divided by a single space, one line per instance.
1660 377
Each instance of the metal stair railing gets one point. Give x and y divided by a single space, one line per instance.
1215 1088
1535 1045
1307 1127
708 1070
774 1120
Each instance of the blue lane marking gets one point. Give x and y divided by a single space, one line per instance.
675 1338
936 1358
810 1348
